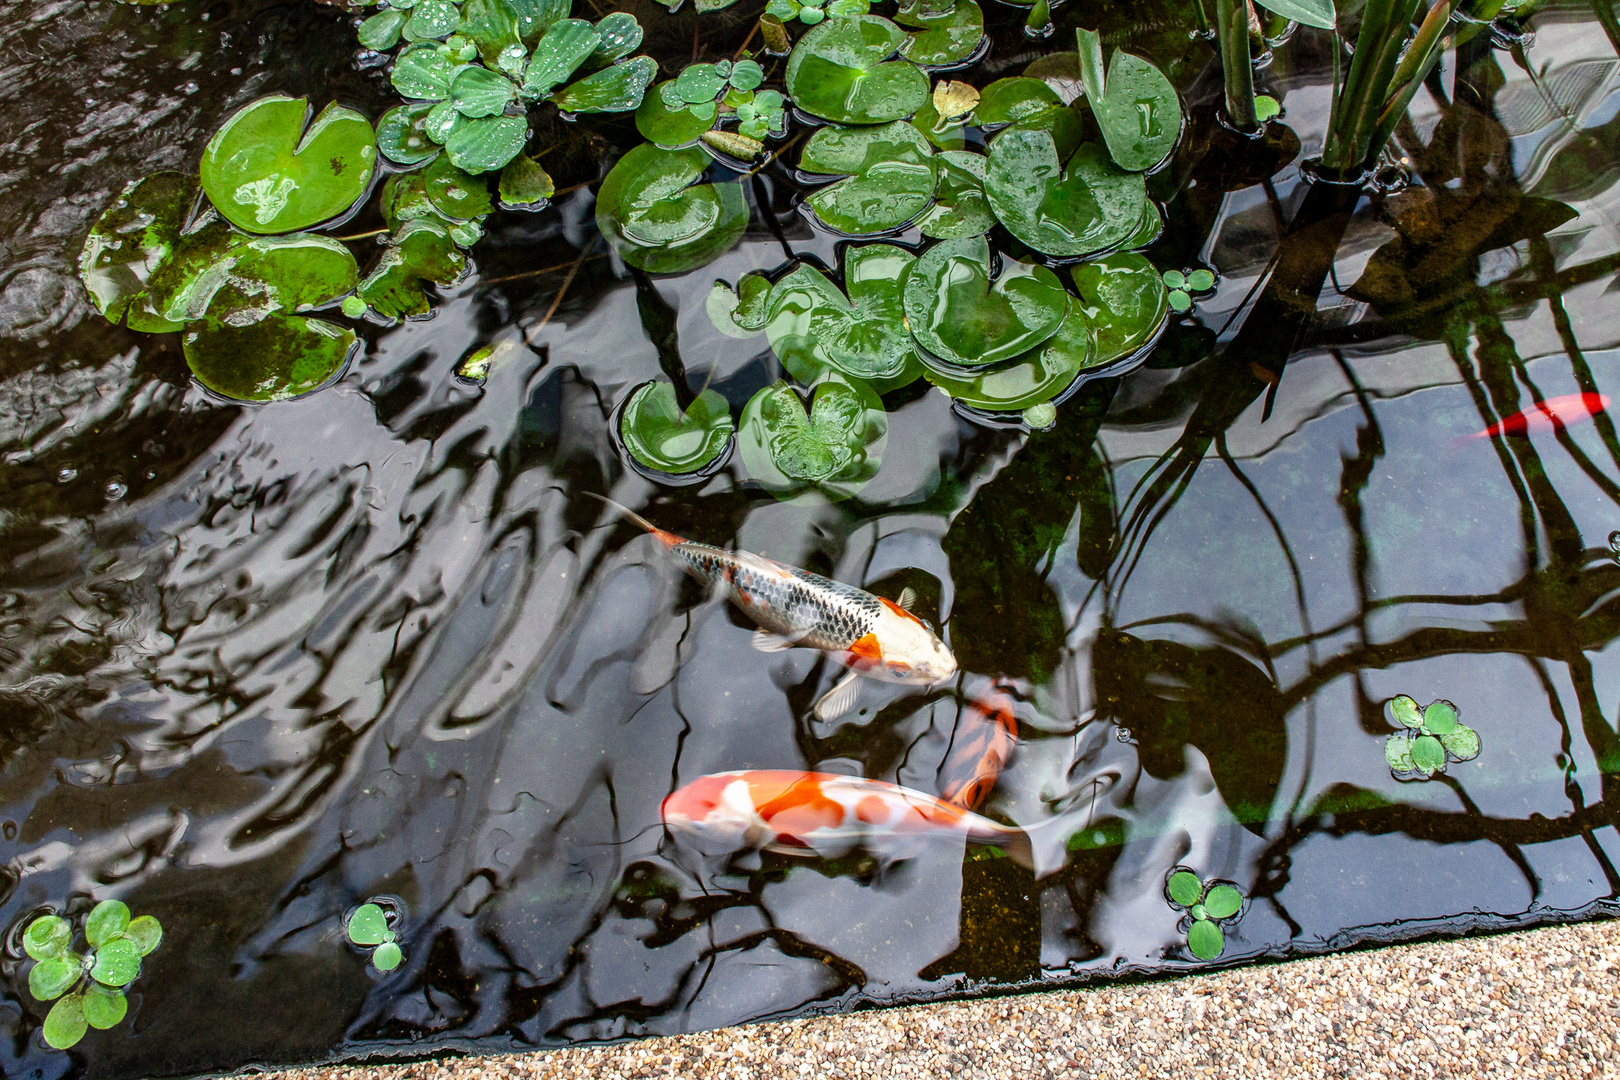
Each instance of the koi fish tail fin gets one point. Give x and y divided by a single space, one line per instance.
668 539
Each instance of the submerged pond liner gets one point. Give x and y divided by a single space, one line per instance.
1297 615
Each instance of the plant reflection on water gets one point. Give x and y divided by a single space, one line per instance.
263 665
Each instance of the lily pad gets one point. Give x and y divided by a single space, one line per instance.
65 1024
48 937
658 217
841 71
1034 378
671 128
420 252
1126 301
1025 104
891 175
266 173
1135 105
958 315
1204 940
864 335
835 445
130 241
1078 206
276 358
104 1007
941 38
663 438
960 209
241 274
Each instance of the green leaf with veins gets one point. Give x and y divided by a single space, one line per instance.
486 143
1033 378
381 32
1461 743
841 70
1135 105
54 976
1075 206
1317 13
671 128
659 218
1204 940
535 17
432 19
1398 752
1125 298
267 174
117 962
958 315
422 71
477 91
560 53
368 925
525 185
65 1025
493 27
104 1007
663 438
1406 711
1184 888
1031 105
891 173
402 134
619 88
833 444
420 252
941 39
741 313
863 335
1428 755
107 920
620 35
960 209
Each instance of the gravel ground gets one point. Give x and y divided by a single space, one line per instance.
1536 1004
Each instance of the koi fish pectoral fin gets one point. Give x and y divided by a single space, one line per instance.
840 699
766 642
908 598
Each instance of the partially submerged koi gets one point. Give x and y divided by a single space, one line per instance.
1547 415
985 735
871 635
826 815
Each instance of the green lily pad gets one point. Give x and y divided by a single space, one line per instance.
261 274
1184 888
942 38
1204 940
419 252
525 185
402 134
1317 13
53 977
1135 105
130 241
368 925
743 312
670 128
275 358
663 438
1398 752
267 174
1017 100
841 71
107 920
1406 711
960 209
864 335
1461 743
482 144
835 445
619 88
1078 206
1032 379
1440 718
117 963
1126 301
48 937
958 315
145 932
104 1007
891 175
1428 755
65 1024
388 956
1222 902
658 217
458 195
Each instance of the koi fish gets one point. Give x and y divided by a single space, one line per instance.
980 746
1546 415
870 635
825 815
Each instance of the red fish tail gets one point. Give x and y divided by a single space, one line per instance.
668 539
985 736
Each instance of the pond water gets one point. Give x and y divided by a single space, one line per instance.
259 665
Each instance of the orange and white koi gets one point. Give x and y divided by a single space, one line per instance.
983 740
827 815
871 635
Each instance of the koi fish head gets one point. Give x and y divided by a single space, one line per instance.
908 652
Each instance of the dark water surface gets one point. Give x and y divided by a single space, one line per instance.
258 665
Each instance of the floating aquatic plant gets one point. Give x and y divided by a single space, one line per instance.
88 987
655 211
1434 736
662 435
369 927
833 443
1185 284
1208 905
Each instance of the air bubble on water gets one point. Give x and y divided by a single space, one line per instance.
1614 541
66 473
117 489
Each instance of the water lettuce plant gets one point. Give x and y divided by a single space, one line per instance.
1208 905
1434 736
87 987
370 926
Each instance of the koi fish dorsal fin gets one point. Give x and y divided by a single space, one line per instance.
908 598
900 609
668 539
